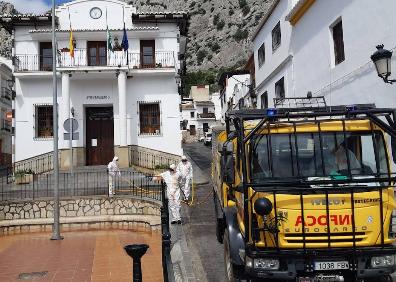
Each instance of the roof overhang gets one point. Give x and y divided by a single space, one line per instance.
180 18
226 75
9 21
298 11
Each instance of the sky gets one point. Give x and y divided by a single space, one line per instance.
34 6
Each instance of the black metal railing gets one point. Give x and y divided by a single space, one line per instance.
6 95
152 159
34 62
25 185
167 265
38 164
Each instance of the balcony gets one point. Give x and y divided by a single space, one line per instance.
206 116
6 95
6 125
133 60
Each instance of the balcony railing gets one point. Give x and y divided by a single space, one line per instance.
6 95
160 59
206 115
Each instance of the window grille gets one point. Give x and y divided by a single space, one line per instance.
280 88
276 37
261 55
44 121
264 100
338 40
192 114
150 118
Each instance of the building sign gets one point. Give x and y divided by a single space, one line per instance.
98 97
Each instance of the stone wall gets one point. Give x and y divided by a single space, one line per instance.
80 210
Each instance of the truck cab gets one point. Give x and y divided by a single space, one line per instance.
306 194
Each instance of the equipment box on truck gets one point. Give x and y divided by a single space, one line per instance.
306 193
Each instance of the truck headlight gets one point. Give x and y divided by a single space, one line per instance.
267 264
382 261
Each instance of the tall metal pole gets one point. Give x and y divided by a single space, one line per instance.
55 227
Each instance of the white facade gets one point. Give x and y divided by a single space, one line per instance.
234 88
198 117
215 98
306 56
123 81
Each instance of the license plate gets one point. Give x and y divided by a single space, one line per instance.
331 265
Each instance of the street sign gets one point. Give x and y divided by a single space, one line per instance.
71 124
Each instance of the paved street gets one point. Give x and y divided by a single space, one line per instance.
206 252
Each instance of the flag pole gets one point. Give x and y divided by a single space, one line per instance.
55 228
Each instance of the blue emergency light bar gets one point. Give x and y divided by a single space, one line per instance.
272 112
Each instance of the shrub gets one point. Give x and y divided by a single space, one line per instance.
23 172
201 56
240 34
216 19
192 4
245 10
212 9
242 3
220 25
215 47
231 12
162 166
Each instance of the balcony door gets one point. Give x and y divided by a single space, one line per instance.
45 56
97 53
147 53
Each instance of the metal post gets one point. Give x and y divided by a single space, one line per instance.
136 252
55 228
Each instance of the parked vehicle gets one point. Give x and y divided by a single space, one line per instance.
306 194
208 138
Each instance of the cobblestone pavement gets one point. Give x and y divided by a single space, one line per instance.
199 221
85 255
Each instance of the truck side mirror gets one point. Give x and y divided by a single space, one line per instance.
228 163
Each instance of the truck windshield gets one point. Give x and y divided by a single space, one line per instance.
328 154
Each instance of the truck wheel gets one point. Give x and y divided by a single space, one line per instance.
233 272
219 221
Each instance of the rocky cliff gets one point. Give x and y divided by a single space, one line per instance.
5 39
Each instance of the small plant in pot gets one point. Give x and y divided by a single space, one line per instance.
24 176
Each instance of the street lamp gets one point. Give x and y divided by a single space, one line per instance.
382 60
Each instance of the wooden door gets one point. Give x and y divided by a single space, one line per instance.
97 53
99 135
147 53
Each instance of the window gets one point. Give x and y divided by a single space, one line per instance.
241 103
205 127
147 53
280 89
205 110
149 116
97 53
261 55
192 114
264 100
276 37
338 41
192 130
45 56
44 121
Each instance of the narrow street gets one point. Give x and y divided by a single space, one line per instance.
199 221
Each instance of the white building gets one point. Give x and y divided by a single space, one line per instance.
6 97
198 117
234 91
123 101
324 47
215 98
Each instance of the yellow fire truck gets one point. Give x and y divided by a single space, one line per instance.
306 193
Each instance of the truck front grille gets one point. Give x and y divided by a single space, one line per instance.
344 237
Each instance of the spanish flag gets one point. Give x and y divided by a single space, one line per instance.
71 46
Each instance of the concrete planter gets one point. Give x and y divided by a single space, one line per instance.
24 178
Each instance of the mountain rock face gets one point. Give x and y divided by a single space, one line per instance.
220 30
219 34
5 38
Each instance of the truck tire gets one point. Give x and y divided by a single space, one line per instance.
233 272
220 226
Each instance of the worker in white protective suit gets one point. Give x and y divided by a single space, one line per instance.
114 172
185 170
172 178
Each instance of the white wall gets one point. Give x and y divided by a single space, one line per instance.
217 102
365 25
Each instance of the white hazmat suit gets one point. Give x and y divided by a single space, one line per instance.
185 170
173 192
114 172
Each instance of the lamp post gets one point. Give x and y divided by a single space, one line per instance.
382 60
